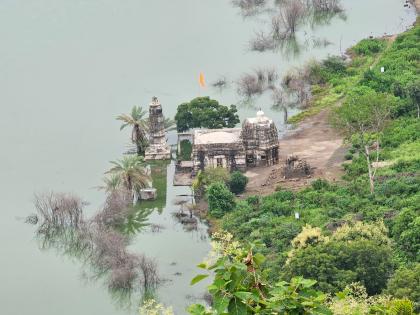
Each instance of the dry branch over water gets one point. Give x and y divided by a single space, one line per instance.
96 241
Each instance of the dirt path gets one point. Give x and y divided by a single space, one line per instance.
314 140
417 4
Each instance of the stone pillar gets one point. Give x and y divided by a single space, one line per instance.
158 149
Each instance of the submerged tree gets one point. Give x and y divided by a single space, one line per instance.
96 241
289 18
139 125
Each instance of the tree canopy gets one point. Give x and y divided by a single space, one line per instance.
206 113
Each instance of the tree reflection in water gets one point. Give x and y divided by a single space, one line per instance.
287 18
100 242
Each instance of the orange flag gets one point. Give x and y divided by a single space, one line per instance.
201 80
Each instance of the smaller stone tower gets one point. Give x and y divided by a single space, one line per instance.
158 148
261 140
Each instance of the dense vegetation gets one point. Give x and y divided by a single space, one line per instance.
186 150
241 287
363 230
206 113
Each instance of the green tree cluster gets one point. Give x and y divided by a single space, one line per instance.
237 182
359 253
240 287
220 199
204 112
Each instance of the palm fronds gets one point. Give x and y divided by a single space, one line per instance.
132 172
169 124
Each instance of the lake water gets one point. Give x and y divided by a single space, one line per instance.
68 68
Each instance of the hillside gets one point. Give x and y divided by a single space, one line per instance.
365 227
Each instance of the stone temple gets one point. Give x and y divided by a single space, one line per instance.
158 147
255 144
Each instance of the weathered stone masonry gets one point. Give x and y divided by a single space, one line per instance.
255 144
158 148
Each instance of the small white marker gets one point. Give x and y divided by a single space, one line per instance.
382 69
297 215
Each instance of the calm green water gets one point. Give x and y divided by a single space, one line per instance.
67 68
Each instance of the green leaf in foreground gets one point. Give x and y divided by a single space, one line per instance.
198 278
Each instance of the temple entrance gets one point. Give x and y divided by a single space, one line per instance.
250 160
275 155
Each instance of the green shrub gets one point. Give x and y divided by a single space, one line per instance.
369 46
405 283
220 199
186 149
334 64
320 184
336 264
237 182
401 307
209 176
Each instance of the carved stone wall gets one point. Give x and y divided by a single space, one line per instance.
261 141
218 148
255 144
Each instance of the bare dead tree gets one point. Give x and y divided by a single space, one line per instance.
248 85
220 83
296 84
260 75
32 219
122 278
148 267
330 6
290 16
262 42
109 250
280 102
284 24
116 208
58 209
95 241
249 7
272 77
321 42
277 27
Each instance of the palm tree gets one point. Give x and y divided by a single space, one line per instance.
169 124
111 183
132 172
140 127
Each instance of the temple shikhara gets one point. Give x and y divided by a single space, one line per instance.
158 148
255 144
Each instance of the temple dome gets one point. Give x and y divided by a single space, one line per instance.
260 113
